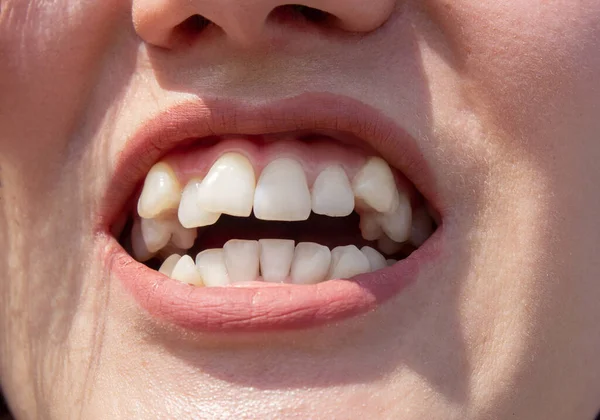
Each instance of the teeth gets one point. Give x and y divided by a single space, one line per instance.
422 227
397 223
332 193
241 260
375 185
376 260
276 257
169 264
190 214
181 237
369 226
346 262
211 266
228 187
310 264
185 271
161 192
156 233
387 246
138 244
282 192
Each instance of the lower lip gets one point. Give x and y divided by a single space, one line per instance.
274 308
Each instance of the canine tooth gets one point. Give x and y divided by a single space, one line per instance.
241 260
369 226
185 271
282 192
156 233
161 191
376 260
276 257
169 264
190 214
138 245
375 185
391 262
211 265
397 223
332 193
387 246
422 227
346 262
311 263
229 186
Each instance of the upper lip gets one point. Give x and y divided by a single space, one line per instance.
309 111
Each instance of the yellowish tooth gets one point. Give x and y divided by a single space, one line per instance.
185 271
156 233
397 223
181 237
211 265
369 226
169 264
347 262
375 185
139 248
387 246
228 187
161 192
276 256
310 264
376 260
282 192
242 260
422 227
190 214
332 193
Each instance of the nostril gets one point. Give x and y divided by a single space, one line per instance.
299 12
191 27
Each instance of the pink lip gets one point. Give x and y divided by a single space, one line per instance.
281 307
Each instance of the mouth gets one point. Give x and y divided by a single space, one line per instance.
271 217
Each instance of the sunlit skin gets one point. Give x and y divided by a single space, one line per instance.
503 101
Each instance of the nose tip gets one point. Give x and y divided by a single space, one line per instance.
243 22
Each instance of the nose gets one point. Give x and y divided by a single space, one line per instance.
157 22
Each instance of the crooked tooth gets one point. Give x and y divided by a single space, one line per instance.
375 185
169 264
346 262
228 187
311 263
397 223
156 233
332 193
190 214
241 260
282 192
181 237
369 226
185 271
161 192
138 244
422 227
276 257
387 246
376 260
211 266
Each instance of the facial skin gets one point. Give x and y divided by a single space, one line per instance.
503 99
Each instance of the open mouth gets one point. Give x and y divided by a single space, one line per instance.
316 216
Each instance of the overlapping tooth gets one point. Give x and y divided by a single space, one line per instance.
139 248
282 192
397 222
181 237
185 271
376 260
161 192
346 262
156 233
211 266
332 193
375 185
422 227
169 264
276 257
370 227
190 214
311 263
228 187
388 246
242 260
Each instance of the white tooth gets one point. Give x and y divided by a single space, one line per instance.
185 271
190 214
169 264
397 223
282 192
391 262
376 260
332 193
138 245
422 227
181 237
211 265
229 186
241 260
161 192
375 185
387 246
369 226
276 257
310 264
346 262
156 233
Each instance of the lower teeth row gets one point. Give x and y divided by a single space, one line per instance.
274 261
